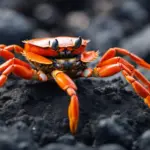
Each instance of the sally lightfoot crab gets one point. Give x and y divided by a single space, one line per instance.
63 58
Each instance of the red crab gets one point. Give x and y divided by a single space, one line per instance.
63 58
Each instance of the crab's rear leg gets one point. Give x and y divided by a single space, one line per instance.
117 64
138 87
66 84
112 52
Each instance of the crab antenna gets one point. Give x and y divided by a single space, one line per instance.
78 42
55 44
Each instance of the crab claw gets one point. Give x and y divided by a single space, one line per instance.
89 56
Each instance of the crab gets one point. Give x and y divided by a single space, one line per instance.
65 58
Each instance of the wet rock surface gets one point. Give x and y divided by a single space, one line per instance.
33 115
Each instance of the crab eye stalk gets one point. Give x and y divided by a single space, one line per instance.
78 42
55 44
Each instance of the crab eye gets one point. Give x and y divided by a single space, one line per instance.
55 44
78 42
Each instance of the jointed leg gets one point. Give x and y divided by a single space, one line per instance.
113 51
69 86
110 70
5 51
138 87
110 65
16 66
21 69
124 65
15 48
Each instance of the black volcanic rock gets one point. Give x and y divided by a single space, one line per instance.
114 130
111 147
42 107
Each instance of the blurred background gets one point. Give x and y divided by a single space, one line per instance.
107 23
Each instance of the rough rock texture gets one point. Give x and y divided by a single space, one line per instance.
34 114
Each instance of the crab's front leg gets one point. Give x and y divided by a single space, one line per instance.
16 48
66 84
21 69
5 51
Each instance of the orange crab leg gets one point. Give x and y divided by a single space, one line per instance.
69 86
2 46
116 64
113 51
19 70
133 71
138 87
22 72
6 54
5 51
13 61
110 70
16 48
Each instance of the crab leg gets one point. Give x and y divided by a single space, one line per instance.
2 46
5 51
16 48
69 86
116 64
6 54
138 87
112 53
21 69
13 61
131 69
